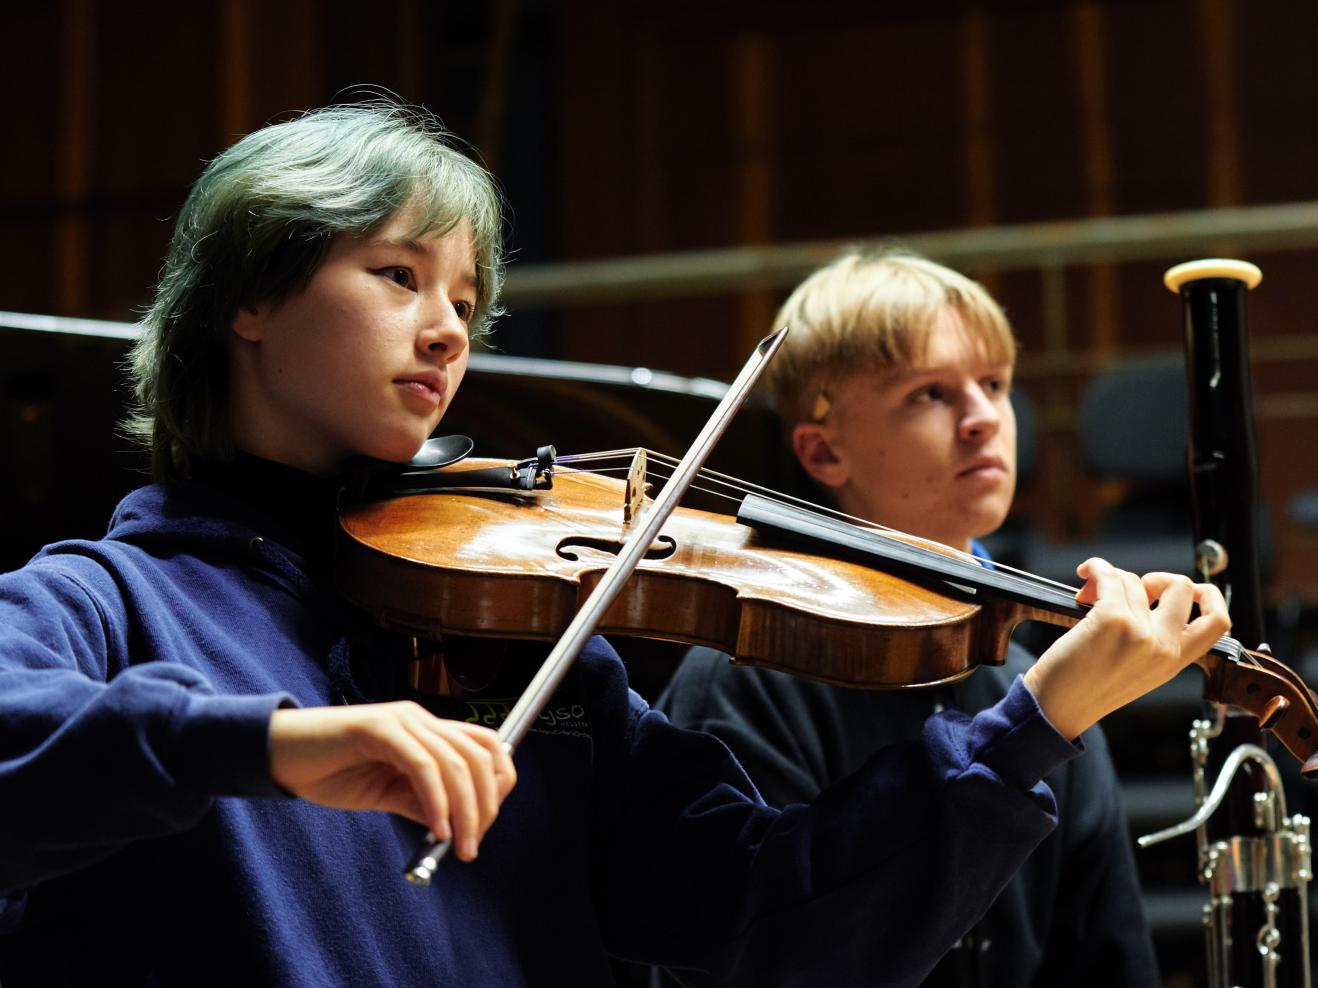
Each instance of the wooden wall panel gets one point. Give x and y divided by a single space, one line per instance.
687 143
155 102
1278 111
1155 76
1038 153
287 54
704 125
30 72
852 143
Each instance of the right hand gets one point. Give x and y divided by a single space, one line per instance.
396 757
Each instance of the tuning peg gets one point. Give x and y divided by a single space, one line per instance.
1272 712
1310 767
1210 558
1264 647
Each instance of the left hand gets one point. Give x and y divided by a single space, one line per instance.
1124 647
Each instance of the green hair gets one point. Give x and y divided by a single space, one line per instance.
256 226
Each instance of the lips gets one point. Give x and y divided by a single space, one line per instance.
428 387
983 466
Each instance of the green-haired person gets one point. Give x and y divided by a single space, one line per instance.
212 771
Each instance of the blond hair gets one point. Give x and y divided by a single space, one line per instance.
873 310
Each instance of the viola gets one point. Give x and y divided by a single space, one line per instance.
782 585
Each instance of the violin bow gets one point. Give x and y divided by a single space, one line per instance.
422 867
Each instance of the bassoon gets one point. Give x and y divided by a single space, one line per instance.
1253 857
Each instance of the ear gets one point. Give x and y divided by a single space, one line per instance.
812 442
249 323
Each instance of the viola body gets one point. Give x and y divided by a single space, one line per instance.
518 565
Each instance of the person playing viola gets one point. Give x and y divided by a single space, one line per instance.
212 770
893 389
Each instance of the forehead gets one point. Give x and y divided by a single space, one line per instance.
456 244
409 225
949 344
949 339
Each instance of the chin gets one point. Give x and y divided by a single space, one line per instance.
394 449
988 528
981 521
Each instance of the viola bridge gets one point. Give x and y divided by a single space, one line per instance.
637 491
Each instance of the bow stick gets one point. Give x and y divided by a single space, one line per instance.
422 867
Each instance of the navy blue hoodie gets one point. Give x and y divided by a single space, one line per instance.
142 840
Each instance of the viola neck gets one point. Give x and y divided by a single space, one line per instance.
957 577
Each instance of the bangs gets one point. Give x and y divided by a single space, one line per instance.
875 311
986 329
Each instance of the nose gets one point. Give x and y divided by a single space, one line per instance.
981 414
443 334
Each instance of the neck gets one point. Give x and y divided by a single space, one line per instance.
300 507
262 430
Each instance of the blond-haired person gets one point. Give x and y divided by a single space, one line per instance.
893 389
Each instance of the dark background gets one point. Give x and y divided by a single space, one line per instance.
627 129
622 129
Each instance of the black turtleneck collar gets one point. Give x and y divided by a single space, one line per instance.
301 509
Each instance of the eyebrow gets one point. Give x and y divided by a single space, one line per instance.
898 378
895 376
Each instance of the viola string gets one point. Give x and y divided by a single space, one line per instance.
743 487
659 459
918 541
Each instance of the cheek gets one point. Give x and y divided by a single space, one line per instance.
1007 428
895 480
364 348
458 372
925 455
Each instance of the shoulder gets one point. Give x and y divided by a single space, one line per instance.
72 575
161 517
147 536
142 514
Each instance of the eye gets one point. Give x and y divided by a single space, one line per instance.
464 309
929 394
399 276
